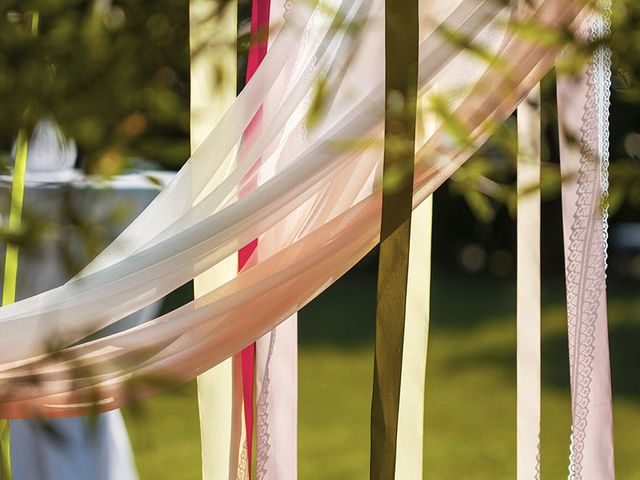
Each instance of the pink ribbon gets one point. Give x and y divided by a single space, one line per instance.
580 118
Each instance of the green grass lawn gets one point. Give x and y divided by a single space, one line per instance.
470 411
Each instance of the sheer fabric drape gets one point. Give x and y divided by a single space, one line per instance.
326 193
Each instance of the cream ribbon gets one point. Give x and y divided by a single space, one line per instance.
213 89
409 448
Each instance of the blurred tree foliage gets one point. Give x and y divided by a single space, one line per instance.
625 111
114 75
487 182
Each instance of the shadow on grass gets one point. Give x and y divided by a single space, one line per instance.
624 339
344 314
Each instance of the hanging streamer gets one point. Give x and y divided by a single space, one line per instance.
257 52
410 445
583 109
213 89
401 80
409 448
528 283
11 274
15 219
528 287
276 359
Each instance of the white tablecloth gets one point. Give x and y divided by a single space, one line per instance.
79 448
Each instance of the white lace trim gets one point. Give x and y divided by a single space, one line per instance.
601 29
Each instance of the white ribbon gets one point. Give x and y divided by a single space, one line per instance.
528 288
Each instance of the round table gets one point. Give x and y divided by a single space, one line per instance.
74 217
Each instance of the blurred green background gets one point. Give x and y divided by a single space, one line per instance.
114 74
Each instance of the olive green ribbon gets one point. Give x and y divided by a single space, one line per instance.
11 273
401 74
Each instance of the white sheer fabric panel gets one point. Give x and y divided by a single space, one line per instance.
330 185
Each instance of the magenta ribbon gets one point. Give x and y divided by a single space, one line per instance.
257 51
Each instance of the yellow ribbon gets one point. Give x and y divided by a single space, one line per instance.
11 273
